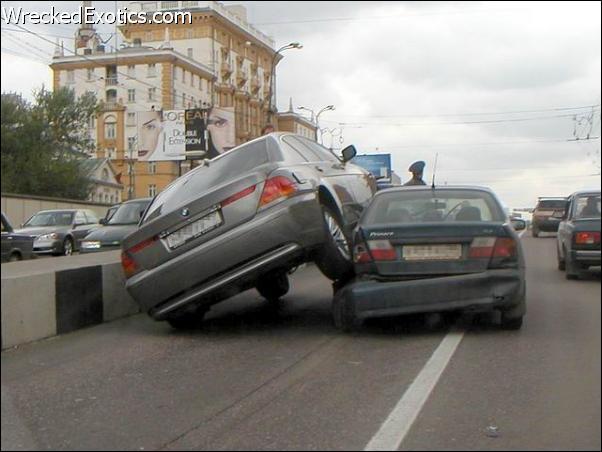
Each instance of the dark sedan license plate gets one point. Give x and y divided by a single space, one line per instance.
195 229
432 252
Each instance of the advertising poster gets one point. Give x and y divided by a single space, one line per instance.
209 132
161 136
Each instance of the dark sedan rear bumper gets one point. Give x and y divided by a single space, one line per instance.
493 289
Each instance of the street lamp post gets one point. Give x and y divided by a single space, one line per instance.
292 45
327 108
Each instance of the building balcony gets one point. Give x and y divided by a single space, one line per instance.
226 69
241 79
111 81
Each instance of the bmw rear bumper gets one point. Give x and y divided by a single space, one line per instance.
278 237
493 289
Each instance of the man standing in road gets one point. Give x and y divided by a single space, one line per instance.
417 170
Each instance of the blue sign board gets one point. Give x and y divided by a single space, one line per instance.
378 164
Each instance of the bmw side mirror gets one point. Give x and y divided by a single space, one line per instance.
348 153
102 221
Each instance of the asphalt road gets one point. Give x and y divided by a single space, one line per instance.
259 377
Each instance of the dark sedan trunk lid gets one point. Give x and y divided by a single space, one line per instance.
429 250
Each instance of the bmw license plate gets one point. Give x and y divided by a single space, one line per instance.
195 229
432 252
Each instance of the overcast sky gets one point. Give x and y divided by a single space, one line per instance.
419 78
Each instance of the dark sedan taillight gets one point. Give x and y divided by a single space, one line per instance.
502 252
587 238
374 251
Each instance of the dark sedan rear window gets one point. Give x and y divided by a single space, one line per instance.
428 206
227 166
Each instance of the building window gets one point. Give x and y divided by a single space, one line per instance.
183 76
110 153
189 4
90 74
152 70
152 167
189 52
189 33
175 98
169 5
131 144
132 71
131 95
149 6
110 129
152 190
152 93
148 36
192 101
70 76
131 119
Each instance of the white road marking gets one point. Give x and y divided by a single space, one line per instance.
394 430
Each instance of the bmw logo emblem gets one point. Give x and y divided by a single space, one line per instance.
185 212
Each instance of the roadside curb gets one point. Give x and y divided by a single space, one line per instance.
42 305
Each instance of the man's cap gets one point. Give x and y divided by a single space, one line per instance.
417 167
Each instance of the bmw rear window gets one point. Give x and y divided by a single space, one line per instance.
192 185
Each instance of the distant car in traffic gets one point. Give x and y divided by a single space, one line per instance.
243 220
15 247
123 222
110 212
578 240
547 215
59 232
423 249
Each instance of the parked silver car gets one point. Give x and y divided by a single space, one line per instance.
59 232
243 220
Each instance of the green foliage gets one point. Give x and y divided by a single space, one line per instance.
43 143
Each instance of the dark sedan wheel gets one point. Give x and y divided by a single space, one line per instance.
512 323
273 286
334 257
344 320
67 247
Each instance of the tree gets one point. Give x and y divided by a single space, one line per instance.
43 143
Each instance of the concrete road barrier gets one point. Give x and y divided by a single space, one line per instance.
47 297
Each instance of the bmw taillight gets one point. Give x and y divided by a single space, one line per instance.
130 267
587 238
276 188
235 197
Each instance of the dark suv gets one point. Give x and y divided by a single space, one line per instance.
547 215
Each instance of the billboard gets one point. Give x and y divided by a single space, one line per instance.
161 135
209 132
178 134
378 164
